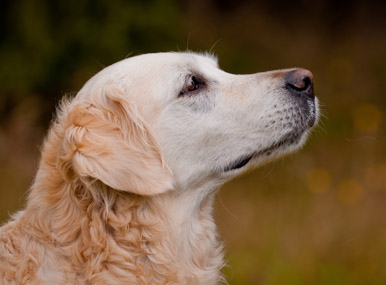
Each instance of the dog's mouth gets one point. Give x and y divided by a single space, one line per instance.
281 145
239 163
311 117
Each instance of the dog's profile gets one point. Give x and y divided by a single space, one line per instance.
131 164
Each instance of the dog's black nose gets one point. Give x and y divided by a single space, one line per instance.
300 82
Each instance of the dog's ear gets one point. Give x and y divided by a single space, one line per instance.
108 140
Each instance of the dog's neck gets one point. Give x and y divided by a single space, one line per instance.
190 229
172 234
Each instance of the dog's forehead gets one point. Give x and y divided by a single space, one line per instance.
206 59
177 60
204 62
151 67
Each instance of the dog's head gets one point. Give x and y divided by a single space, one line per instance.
164 121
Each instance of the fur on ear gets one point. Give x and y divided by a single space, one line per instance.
108 140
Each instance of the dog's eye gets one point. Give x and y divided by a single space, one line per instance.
192 84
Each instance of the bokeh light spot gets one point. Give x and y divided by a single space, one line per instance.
367 118
318 180
350 191
375 176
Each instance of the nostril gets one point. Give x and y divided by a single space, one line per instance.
300 81
301 85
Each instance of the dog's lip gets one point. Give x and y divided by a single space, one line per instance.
290 139
311 120
239 163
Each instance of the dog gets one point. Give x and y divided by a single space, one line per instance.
130 167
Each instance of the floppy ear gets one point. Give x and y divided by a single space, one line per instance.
108 140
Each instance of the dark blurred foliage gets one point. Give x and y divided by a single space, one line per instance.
48 46
316 217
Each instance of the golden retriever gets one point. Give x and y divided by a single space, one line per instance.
130 167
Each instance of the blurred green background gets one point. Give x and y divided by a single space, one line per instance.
315 217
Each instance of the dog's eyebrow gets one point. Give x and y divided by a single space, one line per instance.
212 57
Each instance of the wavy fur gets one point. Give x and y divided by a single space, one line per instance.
77 229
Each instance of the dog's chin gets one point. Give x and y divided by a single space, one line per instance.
285 145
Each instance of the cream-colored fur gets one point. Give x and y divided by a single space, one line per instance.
130 167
